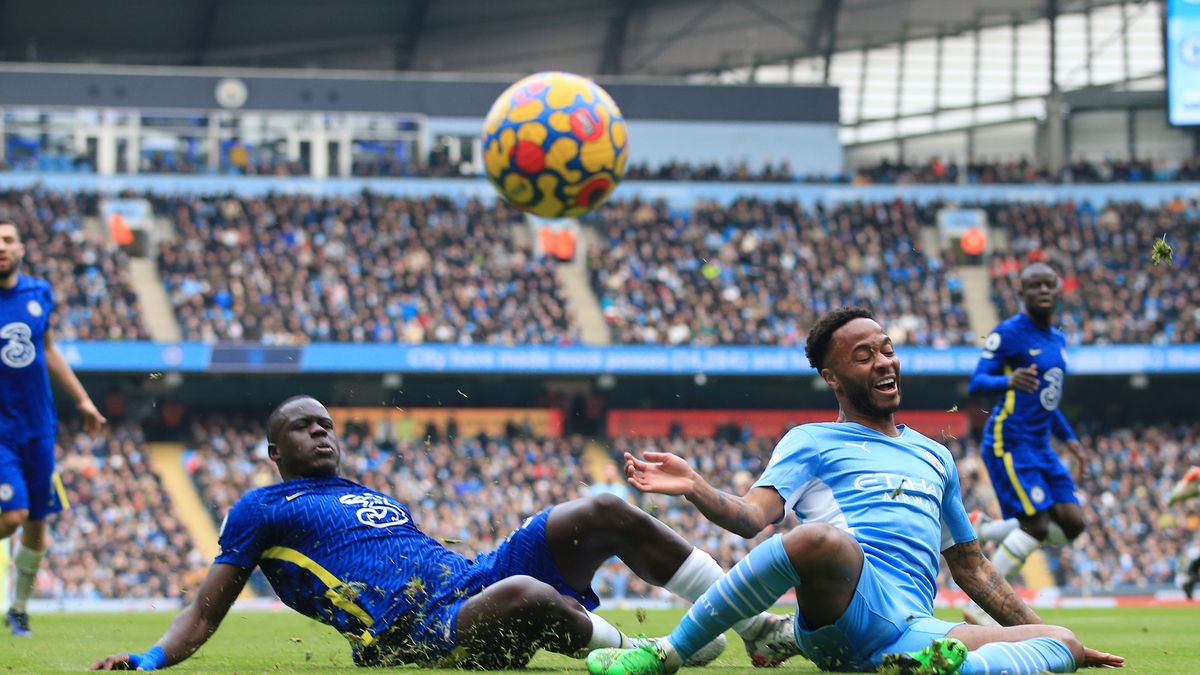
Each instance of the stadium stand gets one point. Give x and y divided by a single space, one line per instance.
362 269
760 272
121 538
90 275
1113 292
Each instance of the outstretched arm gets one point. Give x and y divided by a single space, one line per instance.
669 474
974 573
60 371
192 628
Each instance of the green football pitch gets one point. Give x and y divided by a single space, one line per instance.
1160 641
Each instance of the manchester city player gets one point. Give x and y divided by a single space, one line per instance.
1024 360
30 490
877 503
353 559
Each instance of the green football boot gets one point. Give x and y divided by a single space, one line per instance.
943 657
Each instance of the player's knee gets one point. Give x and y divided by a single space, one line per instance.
522 595
1072 527
11 521
1037 529
814 541
609 511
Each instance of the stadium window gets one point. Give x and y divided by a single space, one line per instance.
920 60
1033 59
883 67
995 64
958 59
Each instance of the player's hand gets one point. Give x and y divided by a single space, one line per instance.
1024 379
116 662
1096 659
660 472
92 419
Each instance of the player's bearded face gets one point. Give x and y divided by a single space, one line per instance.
868 373
11 251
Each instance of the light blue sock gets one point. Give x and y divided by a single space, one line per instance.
753 585
1038 655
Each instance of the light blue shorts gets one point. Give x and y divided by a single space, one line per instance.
873 625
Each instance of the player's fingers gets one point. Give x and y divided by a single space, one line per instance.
657 457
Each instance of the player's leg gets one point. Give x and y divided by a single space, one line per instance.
582 534
935 647
821 562
504 624
46 497
1193 577
1019 650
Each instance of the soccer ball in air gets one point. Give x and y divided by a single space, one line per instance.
555 145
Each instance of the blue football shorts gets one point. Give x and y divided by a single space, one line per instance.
28 479
431 634
874 625
1028 479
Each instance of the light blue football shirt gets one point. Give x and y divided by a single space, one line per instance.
898 497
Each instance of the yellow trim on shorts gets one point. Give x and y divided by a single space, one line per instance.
62 491
1010 404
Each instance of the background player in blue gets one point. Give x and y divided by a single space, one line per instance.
353 559
877 502
30 490
1024 359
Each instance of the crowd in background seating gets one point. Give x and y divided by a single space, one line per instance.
760 273
90 276
1114 292
292 269
121 538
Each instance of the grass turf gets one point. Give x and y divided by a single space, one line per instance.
1154 640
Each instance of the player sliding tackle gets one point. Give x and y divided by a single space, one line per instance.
353 559
877 502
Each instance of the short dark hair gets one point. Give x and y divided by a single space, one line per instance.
817 345
276 416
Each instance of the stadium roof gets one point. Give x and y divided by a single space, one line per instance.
629 37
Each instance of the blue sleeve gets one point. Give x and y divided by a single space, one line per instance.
242 537
793 464
1060 427
989 377
50 305
956 526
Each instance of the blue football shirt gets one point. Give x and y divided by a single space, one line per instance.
898 497
340 553
1020 419
27 406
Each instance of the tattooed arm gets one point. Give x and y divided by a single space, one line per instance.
976 575
668 474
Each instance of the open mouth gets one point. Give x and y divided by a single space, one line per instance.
887 385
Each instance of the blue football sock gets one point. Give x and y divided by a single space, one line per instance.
753 585
1038 655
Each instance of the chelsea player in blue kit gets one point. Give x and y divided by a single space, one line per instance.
353 559
1024 360
878 502
30 490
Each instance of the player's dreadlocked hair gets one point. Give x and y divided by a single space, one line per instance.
821 334
275 418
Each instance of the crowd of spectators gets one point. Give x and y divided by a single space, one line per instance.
90 274
1114 291
760 273
370 268
121 537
